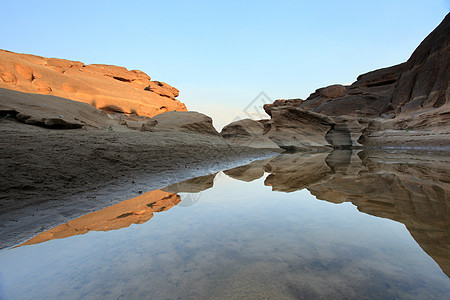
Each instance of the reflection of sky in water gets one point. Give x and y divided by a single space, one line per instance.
238 240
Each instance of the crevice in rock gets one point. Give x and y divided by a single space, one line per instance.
381 83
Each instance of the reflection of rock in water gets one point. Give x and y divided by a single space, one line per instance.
411 188
250 172
194 185
292 172
133 211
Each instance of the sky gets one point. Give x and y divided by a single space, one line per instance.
227 58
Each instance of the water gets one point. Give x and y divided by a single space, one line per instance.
339 226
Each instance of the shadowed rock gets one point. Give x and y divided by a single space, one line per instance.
249 133
190 122
293 172
194 185
406 105
49 111
294 127
250 172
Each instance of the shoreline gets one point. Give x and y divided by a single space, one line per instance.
54 176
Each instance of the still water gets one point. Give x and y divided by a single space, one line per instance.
344 225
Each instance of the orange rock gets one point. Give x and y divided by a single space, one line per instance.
106 87
137 210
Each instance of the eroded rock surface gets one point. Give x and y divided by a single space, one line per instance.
189 121
247 132
49 111
107 87
295 127
406 105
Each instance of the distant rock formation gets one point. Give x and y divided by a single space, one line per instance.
187 121
403 105
249 133
107 87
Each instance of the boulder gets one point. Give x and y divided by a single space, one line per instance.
184 121
107 87
332 91
281 102
298 128
247 132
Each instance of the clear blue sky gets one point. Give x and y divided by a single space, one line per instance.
222 54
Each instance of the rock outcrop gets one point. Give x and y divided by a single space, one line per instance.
187 121
107 87
403 105
49 111
249 133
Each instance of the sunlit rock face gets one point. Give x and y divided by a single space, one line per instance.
107 87
133 211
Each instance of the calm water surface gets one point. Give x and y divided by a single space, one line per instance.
296 226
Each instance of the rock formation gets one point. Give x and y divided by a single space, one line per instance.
50 111
188 121
247 132
107 87
403 105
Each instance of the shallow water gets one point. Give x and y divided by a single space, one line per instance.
296 226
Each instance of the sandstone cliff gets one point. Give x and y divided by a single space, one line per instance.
107 87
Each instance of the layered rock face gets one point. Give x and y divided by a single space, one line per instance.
403 105
107 87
